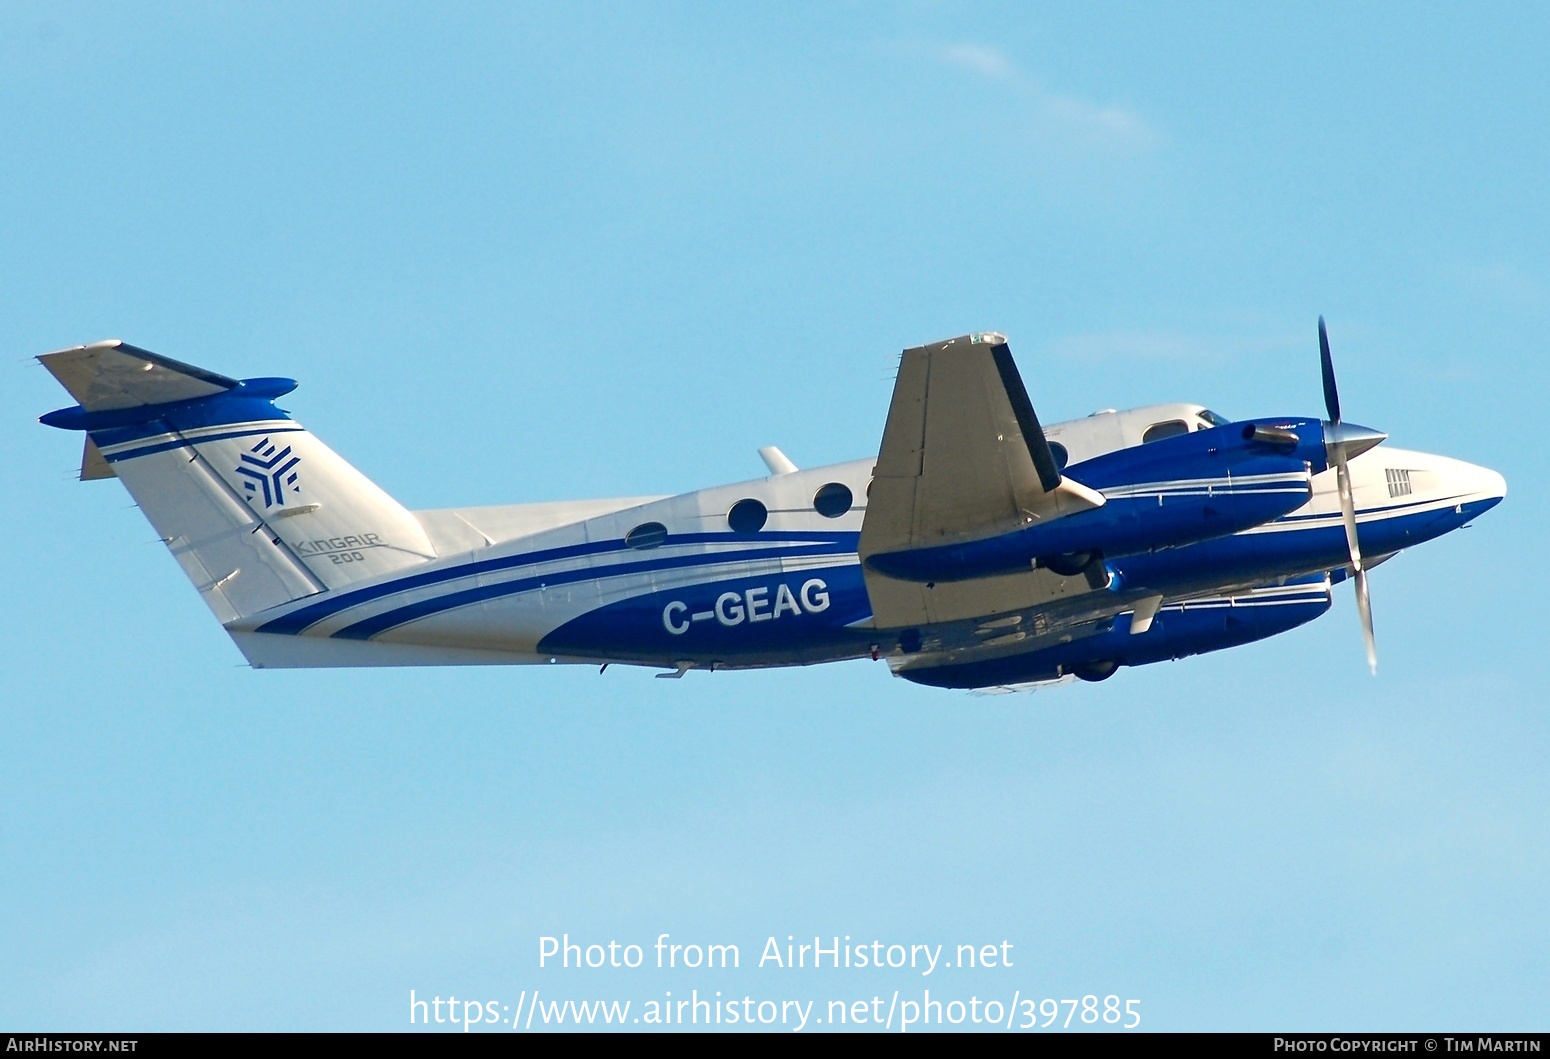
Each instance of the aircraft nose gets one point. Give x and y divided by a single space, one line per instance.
1489 482
1477 483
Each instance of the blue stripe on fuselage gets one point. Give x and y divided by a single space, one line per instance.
839 543
366 628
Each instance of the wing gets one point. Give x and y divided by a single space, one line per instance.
963 458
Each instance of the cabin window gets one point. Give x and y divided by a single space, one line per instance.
1057 450
646 535
747 516
1157 431
833 500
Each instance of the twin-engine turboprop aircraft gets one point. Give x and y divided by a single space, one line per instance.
977 550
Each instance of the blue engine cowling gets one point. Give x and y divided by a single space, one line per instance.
1178 630
1178 491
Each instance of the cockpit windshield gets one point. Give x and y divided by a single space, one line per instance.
1213 419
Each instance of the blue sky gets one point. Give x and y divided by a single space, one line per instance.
523 253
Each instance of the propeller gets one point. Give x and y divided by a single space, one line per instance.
1343 441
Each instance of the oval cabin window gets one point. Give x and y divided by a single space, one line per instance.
833 500
646 535
747 516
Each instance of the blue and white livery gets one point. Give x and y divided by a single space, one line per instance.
977 549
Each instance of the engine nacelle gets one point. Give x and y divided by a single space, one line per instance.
1178 630
1178 491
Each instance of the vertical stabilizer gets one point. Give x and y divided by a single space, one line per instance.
256 510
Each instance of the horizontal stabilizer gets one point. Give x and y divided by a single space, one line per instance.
110 375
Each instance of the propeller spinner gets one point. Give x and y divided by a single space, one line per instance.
1343 441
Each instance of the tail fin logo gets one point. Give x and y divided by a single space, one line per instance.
269 471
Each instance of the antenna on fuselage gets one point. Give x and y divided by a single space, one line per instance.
778 462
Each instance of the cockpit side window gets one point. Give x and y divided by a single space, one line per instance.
1169 429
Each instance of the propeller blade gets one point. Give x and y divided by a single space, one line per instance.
1347 507
1359 571
1327 363
1341 443
1364 609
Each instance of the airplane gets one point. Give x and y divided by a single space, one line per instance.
976 550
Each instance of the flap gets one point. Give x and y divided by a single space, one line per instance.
897 604
1067 610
